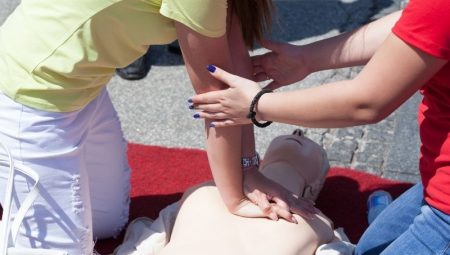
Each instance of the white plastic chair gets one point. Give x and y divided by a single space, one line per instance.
9 230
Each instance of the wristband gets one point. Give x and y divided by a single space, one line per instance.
247 162
252 114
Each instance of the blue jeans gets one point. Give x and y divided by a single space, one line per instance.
407 226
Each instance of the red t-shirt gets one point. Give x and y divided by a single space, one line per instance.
425 24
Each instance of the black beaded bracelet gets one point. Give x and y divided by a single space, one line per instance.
252 114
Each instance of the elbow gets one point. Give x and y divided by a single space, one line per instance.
369 117
370 106
367 113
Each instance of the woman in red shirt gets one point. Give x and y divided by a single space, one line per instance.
411 57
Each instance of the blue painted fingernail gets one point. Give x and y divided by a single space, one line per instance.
197 115
211 68
191 106
212 125
190 100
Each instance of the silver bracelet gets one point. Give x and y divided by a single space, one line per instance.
247 162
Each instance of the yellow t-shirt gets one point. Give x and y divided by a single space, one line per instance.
57 55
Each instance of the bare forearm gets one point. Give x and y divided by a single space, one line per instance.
328 106
248 141
224 153
350 48
223 147
332 105
242 66
368 98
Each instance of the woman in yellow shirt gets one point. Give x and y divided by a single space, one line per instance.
57 118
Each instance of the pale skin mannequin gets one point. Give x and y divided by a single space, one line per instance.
292 161
368 98
226 146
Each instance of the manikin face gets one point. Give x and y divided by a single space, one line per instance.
298 151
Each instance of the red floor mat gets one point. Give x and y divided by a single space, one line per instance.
160 175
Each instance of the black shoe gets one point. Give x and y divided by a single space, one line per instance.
136 70
174 48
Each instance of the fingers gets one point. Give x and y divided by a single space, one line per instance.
210 97
304 208
259 74
258 61
263 203
301 206
248 209
283 210
208 107
274 47
221 75
258 69
280 202
283 213
264 67
210 115
228 123
259 77
219 119
273 211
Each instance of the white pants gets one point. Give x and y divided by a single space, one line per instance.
81 159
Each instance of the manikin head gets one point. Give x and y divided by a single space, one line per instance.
298 154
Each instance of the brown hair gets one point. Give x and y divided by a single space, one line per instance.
255 17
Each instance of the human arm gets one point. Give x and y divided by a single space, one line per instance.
393 74
259 188
292 161
287 63
241 64
224 150
224 147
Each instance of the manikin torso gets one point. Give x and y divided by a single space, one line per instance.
205 226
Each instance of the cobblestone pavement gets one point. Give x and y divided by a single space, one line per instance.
389 148
154 110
